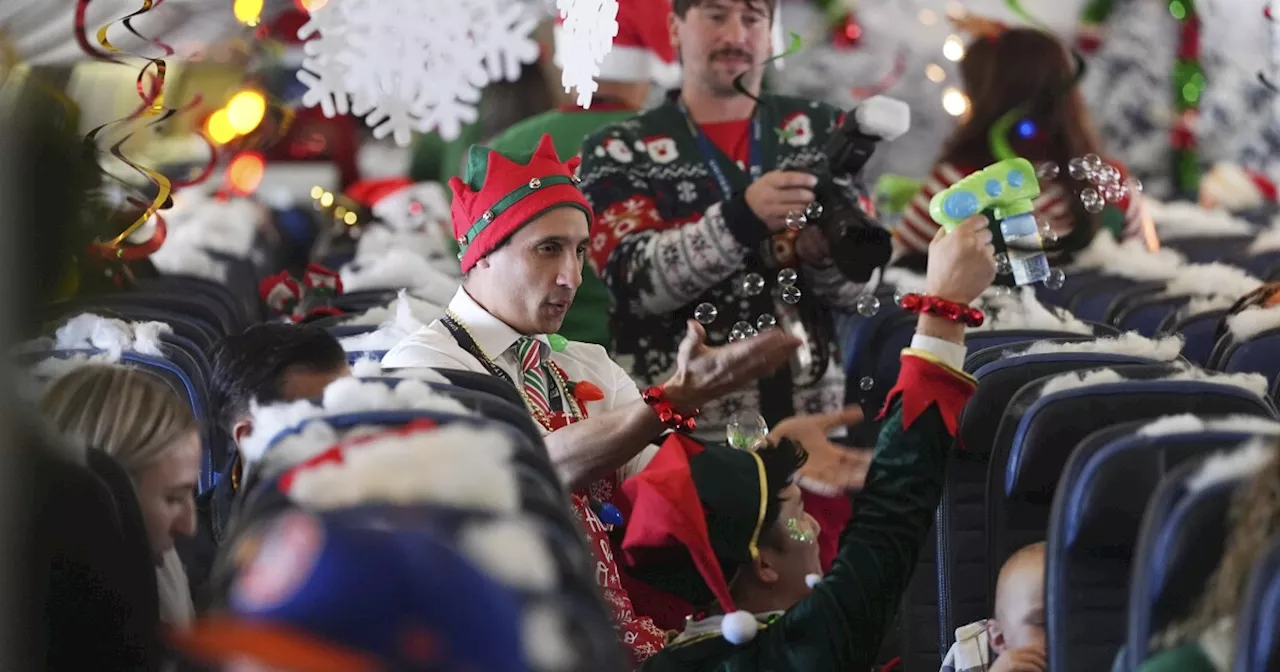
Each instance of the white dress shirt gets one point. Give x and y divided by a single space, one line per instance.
434 347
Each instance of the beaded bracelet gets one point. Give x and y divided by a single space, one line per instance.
657 398
947 310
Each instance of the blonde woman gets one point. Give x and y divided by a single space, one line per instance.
1205 640
135 418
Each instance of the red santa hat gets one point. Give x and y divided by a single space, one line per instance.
498 194
642 50
1235 187
369 192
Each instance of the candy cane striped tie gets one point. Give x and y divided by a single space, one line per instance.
535 383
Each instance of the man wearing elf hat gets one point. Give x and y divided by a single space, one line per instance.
523 228
641 54
727 529
698 200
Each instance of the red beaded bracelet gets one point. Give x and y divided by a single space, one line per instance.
947 310
657 398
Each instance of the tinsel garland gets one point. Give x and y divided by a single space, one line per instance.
1188 85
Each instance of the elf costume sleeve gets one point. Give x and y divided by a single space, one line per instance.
655 267
841 624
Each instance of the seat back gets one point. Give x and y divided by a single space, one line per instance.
1025 470
482 382
1094 300
1259 354
1093 531
962 519
1199 333
1258 625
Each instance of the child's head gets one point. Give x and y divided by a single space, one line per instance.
1019 618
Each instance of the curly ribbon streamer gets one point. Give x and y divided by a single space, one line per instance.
1016 7
998 136
887 81
794 45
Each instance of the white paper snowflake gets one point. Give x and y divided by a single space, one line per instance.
586 37
409 65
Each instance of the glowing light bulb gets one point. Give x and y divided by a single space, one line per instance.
935 73
246 110
326 199
218 128
316 192
953 48
245 172
248 12
349 219
954 101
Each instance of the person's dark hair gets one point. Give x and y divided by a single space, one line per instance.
780 464
682 7
1024 66
252 365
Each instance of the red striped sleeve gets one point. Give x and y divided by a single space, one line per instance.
917 228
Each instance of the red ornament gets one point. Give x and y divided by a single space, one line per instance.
847 33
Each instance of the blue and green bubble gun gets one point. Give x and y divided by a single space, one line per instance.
1008 188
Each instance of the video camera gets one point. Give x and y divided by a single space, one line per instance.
858 244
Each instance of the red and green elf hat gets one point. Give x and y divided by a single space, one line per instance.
498 194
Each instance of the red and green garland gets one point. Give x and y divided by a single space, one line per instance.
1188 82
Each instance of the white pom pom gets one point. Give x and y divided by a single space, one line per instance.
812 580
739 627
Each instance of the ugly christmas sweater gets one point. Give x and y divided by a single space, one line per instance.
669 239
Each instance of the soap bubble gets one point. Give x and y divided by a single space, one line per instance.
1048 171
1001 290
1077 169
1092 200
752 284
1109 174
868 305
787 276
814 210
897 297
1003 265
745 429
705 313
790 294
866 383
766 321
1114 193
1056 279
1134 184
741 330
796 220
1093 162
1047 232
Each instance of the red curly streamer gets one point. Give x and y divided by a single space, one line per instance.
887 82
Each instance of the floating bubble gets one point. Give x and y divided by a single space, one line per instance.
1114 193
741 330
1048 171
745 429
766 321
796 220
868 305
1134 184
1093 162
1047 232
1109 174
1077 169
752 284
787 276
1056 279
866 383
897 297
790 294
814 210
1092 200
705 313
1003 265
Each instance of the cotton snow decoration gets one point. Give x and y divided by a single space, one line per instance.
1199 305
424 312
1253 383
1177 221
189 261
1239 464
366 367
377 241
89 331
583 41
36 379
456 465
1021 310
1251 322
1268 240
398 269
1214 279
512 550
345 395
404 323
1188 423
411 66
1130 343
545 640
1130 259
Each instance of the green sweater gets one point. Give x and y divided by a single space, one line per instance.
1186 658
588 318
839 627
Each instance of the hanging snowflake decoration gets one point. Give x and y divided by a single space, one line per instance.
586 37
405 65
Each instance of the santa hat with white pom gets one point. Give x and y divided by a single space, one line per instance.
1234 187
695 520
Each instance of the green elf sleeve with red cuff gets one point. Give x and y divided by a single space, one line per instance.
924 381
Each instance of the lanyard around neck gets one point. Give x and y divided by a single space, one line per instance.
464 340
755 158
